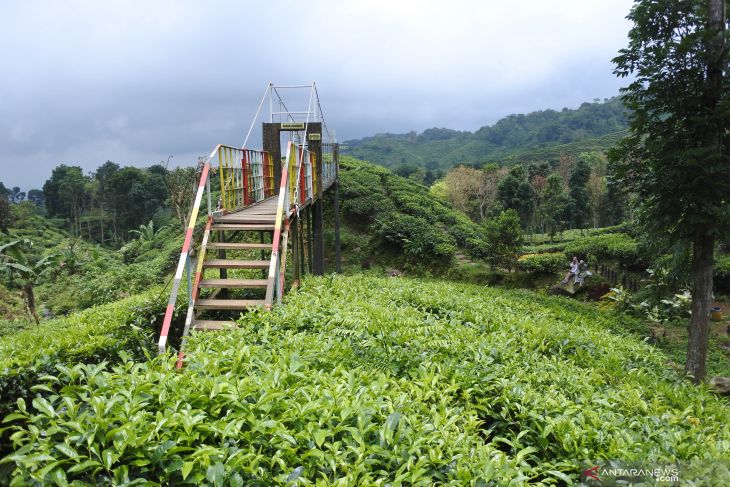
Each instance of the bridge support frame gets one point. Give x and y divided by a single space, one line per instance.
272 144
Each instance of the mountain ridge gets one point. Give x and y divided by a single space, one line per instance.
443 148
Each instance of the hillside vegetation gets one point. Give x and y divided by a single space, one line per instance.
364 380
390 220
519 138
81 274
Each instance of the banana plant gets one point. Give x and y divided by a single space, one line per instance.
146 233
14 260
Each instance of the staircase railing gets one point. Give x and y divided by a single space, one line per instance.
277 266
247 177
184 261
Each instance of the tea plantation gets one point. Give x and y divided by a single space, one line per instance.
372 381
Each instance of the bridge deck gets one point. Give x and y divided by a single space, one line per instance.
263 212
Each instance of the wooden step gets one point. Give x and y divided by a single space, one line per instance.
228 304
253 219
236 264
244 226
233 283
239 246
210 325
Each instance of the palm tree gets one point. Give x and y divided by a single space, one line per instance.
14 260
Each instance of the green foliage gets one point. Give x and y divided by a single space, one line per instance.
402 217
146 232
579 200
363 381
92 336
107 204
677 117
541 136
84 275
722 273
554 205
5 215
547 263
417 238
612 246
504 239
514 192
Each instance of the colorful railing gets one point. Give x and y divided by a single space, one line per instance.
329 164
247 177
302 166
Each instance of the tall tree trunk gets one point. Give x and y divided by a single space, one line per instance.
704 244
29 298
699 323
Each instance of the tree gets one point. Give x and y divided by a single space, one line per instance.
614 205
16 195
554 205
516 193
597 189
462 185
579 198
65 195
564 167
676 159
5 214
504 238
103 176
487 193
36 197
15 259
181 185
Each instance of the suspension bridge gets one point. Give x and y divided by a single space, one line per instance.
254 223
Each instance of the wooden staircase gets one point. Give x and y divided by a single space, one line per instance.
230 264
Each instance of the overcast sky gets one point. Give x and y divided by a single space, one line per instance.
134 82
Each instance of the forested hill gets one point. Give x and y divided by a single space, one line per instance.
512 137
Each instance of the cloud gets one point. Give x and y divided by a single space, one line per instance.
135 81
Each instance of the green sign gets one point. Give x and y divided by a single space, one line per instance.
314 136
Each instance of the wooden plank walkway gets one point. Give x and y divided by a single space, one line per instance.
263 212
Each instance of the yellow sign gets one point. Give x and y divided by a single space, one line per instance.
292 126
314 136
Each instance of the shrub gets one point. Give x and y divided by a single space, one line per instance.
364 381
92 335
722 273
418 239
504 239
612 246
548 263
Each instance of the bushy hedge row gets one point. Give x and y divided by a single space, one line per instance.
364 381
613 246
548 263
92 336
404 214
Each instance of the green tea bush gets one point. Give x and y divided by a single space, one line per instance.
402 214
548 263
92 335
612 246
370 381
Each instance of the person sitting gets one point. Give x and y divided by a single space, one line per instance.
573 270
583 272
